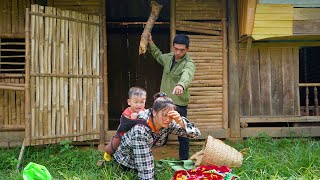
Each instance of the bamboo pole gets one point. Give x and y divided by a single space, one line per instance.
60 69
90 84
14 17
182 27
45 79
172 22
2 105
9 128
85 72
12 102
55 62
81 57
76 125
0 54
9 17
33 79
65 104
6 105
96 72
22 104
225 74
41 66
71 71
16 88
67 17
49 70
18 103
27 81
2 26
202 25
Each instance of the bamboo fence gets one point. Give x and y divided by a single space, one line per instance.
204 20
64 76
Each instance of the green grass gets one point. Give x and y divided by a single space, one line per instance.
266 158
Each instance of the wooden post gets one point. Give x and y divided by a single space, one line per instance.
172 22
225 74
27 81
307 101
101 49
0 54
316 104
234 91
105 68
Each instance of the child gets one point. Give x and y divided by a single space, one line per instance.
137 101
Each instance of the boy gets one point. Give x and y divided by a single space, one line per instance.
136 101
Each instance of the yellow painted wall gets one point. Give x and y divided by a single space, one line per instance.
273 20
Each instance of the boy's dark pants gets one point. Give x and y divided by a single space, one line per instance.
183 141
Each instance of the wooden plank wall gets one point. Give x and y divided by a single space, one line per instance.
306 21
273 20
12 103
65 94
268 81
203 19
12 17
87 7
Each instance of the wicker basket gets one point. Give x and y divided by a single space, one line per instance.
218 153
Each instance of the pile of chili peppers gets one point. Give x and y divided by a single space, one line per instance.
210 172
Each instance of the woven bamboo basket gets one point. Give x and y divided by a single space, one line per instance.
218 153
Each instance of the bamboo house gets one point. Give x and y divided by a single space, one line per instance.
66 66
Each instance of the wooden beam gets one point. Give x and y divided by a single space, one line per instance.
101 58
27 81
225 73
308 131
11 128
253 119
105 70
233 91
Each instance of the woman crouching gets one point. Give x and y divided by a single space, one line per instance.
162 119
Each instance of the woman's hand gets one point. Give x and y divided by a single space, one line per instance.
175 116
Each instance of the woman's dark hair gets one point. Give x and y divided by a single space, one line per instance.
161 101
159 94
181 39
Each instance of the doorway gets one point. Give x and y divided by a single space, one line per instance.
126 68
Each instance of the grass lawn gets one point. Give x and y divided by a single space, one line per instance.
266 158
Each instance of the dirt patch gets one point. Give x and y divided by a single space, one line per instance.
171 151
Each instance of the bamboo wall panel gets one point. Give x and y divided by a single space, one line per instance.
87 7
273 20
12 103
268 81
64 75
204 20
12 15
